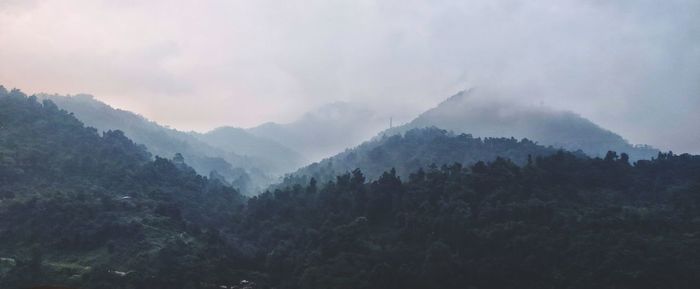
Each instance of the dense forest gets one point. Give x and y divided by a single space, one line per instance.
560 221
91 210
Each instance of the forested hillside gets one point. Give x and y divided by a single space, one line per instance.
415 149
244 160
75 204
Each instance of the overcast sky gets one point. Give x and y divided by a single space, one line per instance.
632 66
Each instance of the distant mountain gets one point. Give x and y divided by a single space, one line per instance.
235 161
416 149
325 131
276 158
488 117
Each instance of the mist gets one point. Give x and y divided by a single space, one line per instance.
630 66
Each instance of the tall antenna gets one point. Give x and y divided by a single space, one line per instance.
391 122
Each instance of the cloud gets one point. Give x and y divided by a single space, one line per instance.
631 66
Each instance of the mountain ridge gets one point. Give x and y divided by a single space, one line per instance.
324 131
491 116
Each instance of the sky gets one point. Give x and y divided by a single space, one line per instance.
630 66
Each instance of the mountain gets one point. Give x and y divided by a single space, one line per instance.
325 131
88 210
480 112
270 155
230 161
418 149
77 206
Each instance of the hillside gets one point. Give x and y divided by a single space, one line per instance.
233 157
75 204
416 149
480 112
560 221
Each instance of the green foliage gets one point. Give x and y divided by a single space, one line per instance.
559 221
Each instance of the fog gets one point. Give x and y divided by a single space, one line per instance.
630 66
